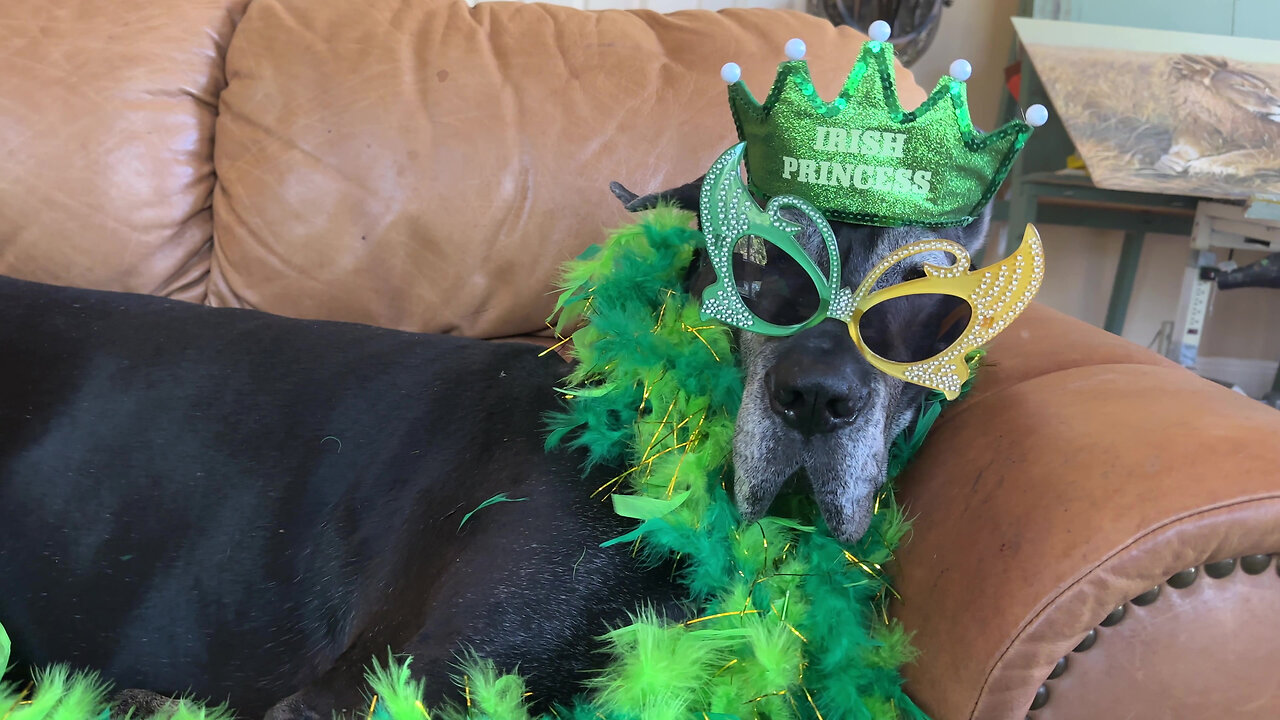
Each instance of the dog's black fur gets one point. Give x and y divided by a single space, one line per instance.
250 508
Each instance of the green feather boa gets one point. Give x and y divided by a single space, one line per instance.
793 626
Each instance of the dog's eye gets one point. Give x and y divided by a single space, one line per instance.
915 272
772 284
913 328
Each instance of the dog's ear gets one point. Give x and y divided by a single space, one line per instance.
974 235
684 197
700 274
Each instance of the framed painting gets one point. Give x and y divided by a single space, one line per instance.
1160 111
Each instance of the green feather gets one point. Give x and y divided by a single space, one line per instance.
499 498
646 508
396 694
5 644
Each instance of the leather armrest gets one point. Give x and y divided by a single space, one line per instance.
1081 472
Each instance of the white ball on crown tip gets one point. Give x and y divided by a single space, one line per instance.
960 70
1037 115
795 48
731 73
879 31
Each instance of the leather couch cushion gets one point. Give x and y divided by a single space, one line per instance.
106 135
1083 481
429 166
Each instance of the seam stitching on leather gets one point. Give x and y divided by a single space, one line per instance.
1075 583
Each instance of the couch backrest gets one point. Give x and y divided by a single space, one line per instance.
107 112
417 164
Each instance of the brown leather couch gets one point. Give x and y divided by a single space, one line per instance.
1095 527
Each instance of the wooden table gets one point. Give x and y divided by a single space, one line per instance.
1062 198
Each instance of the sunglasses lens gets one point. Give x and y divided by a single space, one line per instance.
913 328
774 286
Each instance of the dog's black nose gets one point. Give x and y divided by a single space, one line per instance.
817 389
812 404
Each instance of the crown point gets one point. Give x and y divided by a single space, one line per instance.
795 48
879 31
960 70
731 73
1037 115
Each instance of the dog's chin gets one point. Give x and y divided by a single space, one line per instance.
845 472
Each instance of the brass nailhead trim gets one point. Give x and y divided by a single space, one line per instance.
1113 618
1255 564
1059 668
1147 597
1087 642
1042 697
1220 569
1250 564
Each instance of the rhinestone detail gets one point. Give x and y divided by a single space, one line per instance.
999 295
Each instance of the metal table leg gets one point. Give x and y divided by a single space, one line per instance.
1122 287
1023 204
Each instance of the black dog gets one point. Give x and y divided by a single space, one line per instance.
251 509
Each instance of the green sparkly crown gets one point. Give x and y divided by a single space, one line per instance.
861 158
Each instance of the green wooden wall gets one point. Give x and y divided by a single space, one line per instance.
1242 18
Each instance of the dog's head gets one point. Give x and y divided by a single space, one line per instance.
813 409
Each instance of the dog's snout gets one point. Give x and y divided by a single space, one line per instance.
812 404
813 397
818 383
